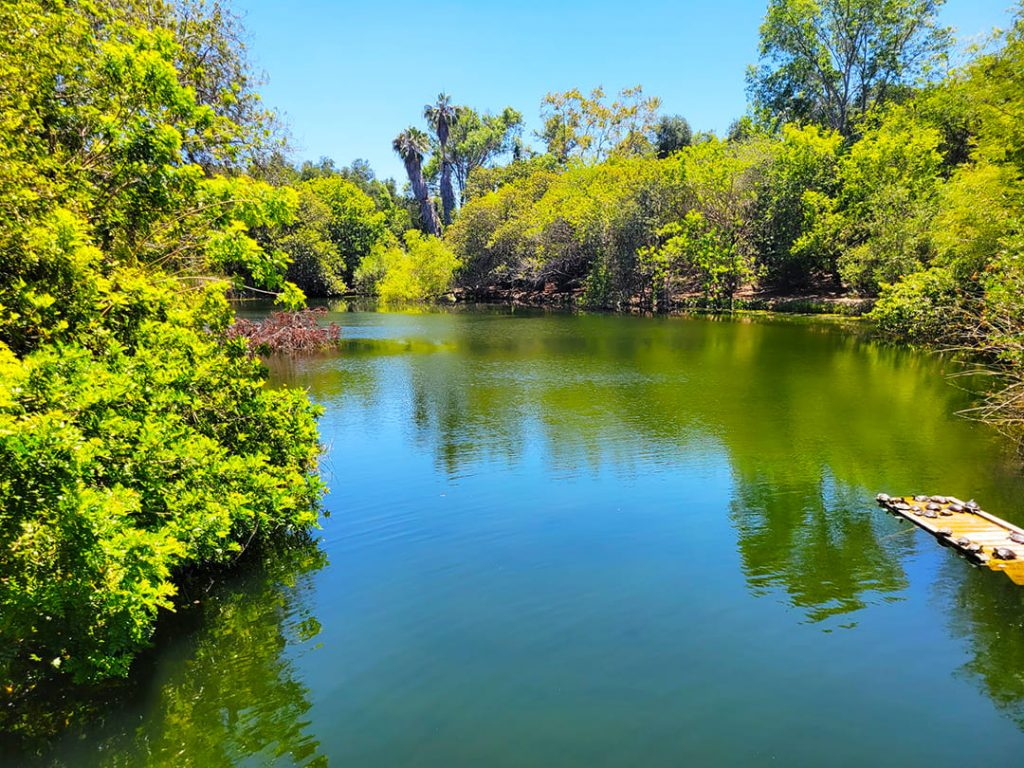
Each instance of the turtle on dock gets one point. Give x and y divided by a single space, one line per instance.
980 537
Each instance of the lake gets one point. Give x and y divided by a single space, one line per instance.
594 540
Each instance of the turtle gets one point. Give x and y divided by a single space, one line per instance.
946 512
920 498
931 513
972 505
902 505
963 541
934 507
1016 538
883 498
944 532
954 507
974 548
939 499
1002 553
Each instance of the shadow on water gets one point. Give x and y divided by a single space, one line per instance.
217 689
813 541
988 614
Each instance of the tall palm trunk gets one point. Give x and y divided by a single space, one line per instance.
447 193
419 191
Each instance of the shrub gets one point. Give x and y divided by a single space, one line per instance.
121 469
288 332
921 308
423 269
698 252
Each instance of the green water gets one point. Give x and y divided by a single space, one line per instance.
604 541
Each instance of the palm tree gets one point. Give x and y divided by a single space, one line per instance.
410 145
442 116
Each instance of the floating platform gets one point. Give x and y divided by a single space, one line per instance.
982 538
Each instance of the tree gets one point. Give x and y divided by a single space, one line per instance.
692 249
440 117
802 163
672 134
336 225
588 128
830 61
138 441
211 57
477 139
410 145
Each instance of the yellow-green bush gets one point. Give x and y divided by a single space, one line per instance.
121 468
423 269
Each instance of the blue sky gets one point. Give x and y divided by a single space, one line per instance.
348 76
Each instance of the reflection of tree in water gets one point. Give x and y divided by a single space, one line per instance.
226 693
986 610
815 540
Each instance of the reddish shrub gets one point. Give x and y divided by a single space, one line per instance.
288 332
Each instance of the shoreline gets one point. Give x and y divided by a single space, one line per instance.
814 303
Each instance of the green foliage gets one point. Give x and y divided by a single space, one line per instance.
317 266
335 226
586 127
831 61
423 269
878 223
491 179
920 308
474 141
354 225
799 176
978 207
550 227
671 134
137 441
119 469
692 248
585 227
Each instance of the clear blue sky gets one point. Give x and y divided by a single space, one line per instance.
349 75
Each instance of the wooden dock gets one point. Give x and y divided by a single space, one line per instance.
982 538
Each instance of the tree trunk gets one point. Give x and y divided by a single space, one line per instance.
419 191
447 193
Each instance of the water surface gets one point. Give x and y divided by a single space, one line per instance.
605 541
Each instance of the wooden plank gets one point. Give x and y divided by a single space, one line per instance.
967 528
